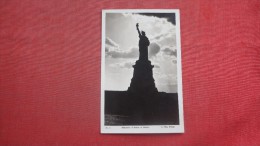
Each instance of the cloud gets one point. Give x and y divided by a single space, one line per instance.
154 48
132 53
151 23
113 52
166 82
170 52
112 49
156 66
165 38
110 42
126 65
106 49
110 45
174 61
158 37
169 16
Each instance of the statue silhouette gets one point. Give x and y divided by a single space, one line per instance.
143 44
142 83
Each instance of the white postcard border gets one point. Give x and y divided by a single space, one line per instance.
141 129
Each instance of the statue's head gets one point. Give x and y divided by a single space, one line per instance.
143 33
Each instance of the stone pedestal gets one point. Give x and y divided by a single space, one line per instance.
142 81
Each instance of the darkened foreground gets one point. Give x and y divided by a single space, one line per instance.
125 108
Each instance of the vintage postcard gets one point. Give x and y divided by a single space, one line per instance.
141 79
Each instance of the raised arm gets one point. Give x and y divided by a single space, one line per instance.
137 27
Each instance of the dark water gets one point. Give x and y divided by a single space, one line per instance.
122 108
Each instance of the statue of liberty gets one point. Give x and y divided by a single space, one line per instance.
143 45
142 82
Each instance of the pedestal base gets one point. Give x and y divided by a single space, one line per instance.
142 81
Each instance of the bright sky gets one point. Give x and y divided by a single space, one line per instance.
122 50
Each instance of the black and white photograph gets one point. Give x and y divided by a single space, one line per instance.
141 80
